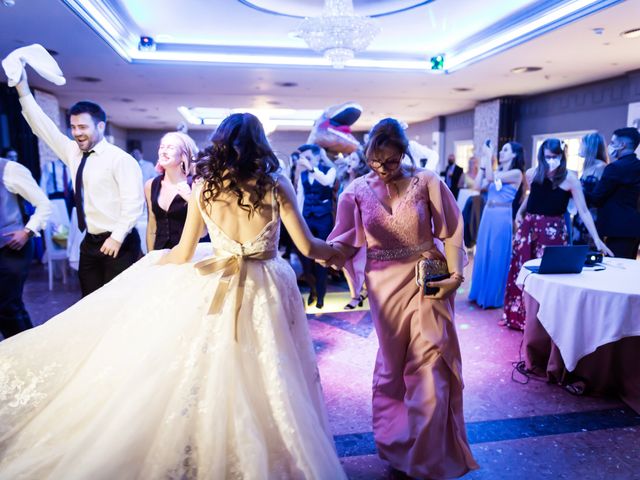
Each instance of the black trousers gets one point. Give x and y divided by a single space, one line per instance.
315 274
623 247
96 268
14 268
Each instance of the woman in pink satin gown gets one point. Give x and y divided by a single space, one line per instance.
397 213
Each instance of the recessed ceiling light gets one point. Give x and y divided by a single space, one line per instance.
633 33
274 102
124 100
286 84
525 69
462 89
139 109
88 79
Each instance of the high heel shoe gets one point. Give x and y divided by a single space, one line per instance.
362 298
355 302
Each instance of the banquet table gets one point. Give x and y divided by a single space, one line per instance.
584 329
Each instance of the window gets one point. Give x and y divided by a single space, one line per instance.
463 152
572 142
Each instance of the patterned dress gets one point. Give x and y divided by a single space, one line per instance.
535 232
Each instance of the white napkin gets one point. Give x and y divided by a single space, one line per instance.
39 59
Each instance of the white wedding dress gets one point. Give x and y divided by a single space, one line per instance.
139 381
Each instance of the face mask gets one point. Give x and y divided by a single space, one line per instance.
612 151
553 164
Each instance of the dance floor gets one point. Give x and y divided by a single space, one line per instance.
517 430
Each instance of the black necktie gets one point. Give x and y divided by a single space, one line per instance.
77 196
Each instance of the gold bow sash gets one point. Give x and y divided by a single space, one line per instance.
230 266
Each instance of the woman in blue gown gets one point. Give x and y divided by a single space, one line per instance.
493 247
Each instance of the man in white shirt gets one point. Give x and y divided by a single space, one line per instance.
16 246
107 183
316 180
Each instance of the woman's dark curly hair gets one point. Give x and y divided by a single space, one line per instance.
239 154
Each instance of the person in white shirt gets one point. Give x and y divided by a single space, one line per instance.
316 180
108 188
16 246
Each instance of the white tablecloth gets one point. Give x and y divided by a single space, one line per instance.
581 312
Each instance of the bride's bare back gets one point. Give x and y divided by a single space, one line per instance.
235 222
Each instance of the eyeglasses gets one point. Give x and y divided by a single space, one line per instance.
388 164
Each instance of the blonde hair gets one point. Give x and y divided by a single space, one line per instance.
187 148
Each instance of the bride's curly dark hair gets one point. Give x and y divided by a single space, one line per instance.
239 159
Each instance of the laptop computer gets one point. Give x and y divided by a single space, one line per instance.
561 259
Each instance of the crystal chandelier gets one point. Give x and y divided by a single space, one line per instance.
338 33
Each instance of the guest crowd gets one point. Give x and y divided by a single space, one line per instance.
374 214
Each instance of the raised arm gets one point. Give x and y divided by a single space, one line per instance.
41 125
308 245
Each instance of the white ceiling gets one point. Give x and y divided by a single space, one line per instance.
147 95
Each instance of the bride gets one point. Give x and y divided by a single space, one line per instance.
182 369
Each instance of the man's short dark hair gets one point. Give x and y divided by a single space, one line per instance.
93 109
315 149
630 136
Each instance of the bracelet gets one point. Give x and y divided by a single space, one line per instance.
458 276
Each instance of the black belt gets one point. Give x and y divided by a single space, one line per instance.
98 236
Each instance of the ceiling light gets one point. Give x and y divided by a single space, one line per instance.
525 69
338 33
271 118
633 33
549 20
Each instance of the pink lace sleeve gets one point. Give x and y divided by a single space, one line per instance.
348 229
448 225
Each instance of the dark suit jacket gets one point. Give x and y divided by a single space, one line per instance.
617 195
455 179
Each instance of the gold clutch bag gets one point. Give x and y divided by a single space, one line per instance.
430 270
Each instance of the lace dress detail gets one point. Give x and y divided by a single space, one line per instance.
140 381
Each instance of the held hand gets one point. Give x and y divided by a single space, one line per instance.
518 220
603 248
19 239
111 247
446 288
336 261
304 164
23 85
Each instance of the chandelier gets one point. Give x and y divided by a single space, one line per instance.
338 33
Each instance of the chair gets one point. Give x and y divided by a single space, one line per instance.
55 252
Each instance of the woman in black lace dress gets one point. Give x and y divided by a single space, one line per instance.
168 194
